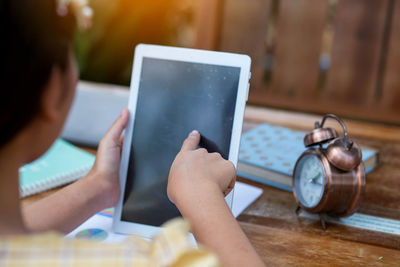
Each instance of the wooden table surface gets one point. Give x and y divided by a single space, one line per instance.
284 239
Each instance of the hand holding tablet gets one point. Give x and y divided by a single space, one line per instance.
174 91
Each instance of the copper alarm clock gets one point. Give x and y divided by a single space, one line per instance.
329 177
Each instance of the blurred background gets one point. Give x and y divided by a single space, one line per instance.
319 56
105 52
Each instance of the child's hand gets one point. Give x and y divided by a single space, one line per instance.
105 172
197 184
195 173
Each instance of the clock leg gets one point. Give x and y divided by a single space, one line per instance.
298 209
322 218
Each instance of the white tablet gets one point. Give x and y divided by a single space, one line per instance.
174 91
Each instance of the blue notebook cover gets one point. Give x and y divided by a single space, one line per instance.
61 164
277 149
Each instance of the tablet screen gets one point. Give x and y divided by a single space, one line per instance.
174 98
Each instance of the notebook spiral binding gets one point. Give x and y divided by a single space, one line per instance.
55 181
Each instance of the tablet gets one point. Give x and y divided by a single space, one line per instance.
174 91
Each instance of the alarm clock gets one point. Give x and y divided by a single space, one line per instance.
329 177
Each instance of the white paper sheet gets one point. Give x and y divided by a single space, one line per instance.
244 195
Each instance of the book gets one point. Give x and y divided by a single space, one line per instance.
63 163
269 153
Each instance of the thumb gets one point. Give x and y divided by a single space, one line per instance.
115 131
191 142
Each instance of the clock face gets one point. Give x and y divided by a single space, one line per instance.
309 180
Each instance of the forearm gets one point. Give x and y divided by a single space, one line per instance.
66 209
69 207
214 226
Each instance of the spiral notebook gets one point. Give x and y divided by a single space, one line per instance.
63 163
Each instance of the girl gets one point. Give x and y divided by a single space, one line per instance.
39 76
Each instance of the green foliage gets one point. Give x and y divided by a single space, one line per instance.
105 52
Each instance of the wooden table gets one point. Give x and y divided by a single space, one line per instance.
282 238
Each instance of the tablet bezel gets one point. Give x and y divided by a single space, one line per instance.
185 55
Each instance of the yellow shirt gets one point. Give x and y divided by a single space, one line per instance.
171 247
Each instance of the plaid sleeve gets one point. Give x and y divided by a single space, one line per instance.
171 247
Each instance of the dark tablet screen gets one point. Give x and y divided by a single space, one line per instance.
174 98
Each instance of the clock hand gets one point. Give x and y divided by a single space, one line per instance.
316 182
312 180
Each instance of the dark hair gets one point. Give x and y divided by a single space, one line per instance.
34 39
